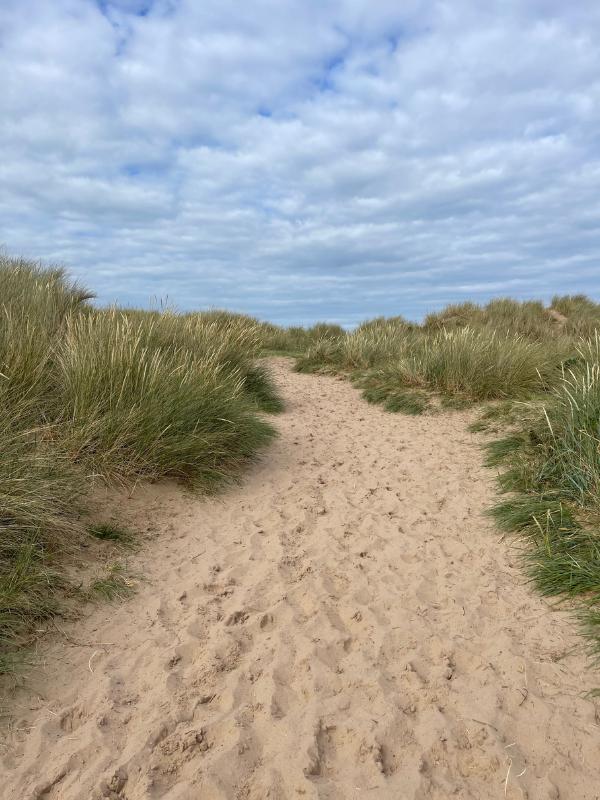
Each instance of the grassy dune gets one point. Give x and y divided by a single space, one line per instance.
119 395
110 395
534 373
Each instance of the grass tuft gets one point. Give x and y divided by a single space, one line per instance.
117 584
259 384
500 449
107 532
552 464
408 402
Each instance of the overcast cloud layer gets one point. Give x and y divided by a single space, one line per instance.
304 159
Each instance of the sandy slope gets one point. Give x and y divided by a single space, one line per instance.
345 625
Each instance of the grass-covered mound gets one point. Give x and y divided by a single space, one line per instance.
534 371
550 472
470 364
88 394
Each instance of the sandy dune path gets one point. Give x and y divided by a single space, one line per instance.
344 625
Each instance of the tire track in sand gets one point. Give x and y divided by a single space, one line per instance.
344 625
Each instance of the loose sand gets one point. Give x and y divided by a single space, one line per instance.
346 624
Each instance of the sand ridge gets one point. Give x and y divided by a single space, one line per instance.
346 624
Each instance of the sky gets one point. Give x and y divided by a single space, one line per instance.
302 160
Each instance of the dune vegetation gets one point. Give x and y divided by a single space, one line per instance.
533 373
119 395
106 395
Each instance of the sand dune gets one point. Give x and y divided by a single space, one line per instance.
346 624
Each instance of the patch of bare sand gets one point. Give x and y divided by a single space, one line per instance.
345 625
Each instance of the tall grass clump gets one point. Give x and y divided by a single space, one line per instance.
371 344
465 364
39 496
39 486
580 316
234 340
485 365
135 409
237 342
295 340
89 394
552 470
530 318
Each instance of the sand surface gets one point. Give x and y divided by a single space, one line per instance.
344 625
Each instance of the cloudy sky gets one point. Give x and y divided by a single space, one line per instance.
304 159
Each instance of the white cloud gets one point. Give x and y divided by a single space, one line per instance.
301 160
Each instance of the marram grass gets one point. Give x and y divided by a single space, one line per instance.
112 395
123 394
551 467
466 364
534 372
133 409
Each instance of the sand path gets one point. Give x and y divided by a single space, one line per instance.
345 625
